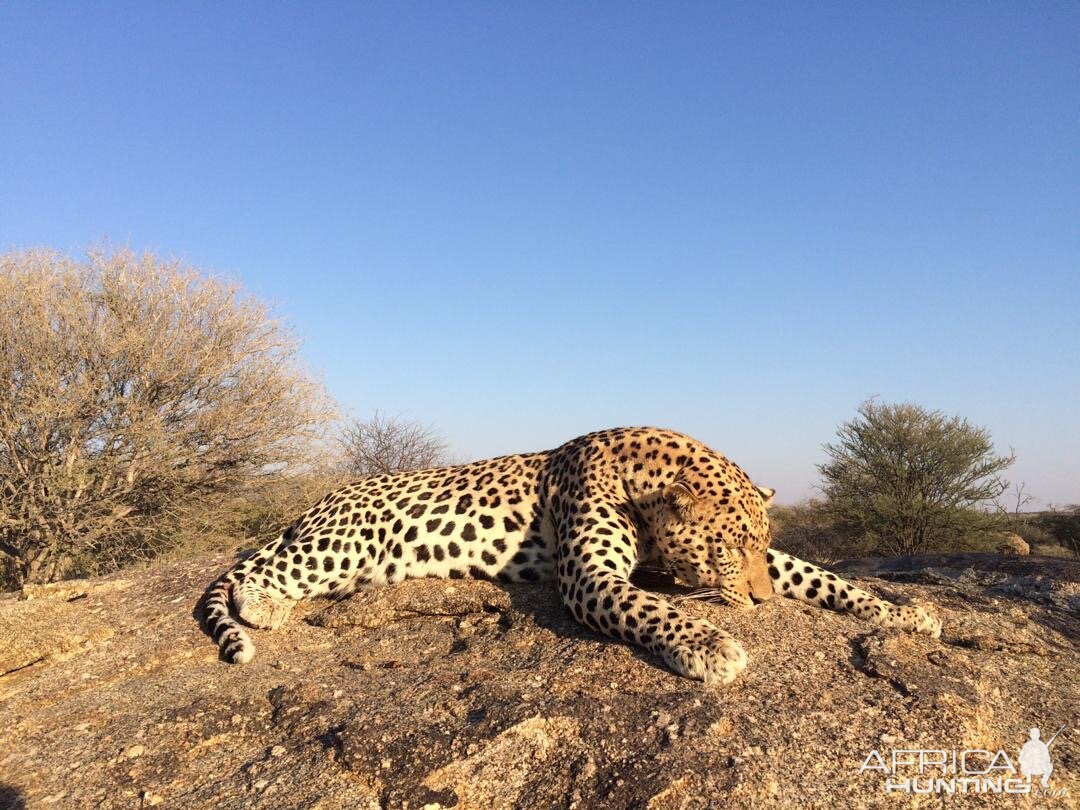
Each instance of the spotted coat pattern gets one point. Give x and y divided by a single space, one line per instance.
585 515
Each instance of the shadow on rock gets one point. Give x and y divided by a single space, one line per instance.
11 798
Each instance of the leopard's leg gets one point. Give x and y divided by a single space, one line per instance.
309 558
257 605
240 582
806 582
309 564
594 568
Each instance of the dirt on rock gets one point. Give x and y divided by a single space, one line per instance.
438 694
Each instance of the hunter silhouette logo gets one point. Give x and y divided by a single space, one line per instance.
975 770
1035 757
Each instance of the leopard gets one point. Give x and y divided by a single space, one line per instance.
584 515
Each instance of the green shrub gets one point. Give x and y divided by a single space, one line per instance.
911 480
1053 532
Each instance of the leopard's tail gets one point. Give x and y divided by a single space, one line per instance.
231 638
228 634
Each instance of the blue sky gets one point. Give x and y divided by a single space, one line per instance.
521 222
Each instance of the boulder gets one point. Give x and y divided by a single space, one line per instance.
437 694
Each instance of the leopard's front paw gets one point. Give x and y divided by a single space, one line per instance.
913 619
262 611
926 622
717 658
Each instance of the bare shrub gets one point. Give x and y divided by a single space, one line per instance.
810 531
1055 532
382 445
252 515
1063 524
135 390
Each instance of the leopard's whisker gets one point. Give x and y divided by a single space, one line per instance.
704 594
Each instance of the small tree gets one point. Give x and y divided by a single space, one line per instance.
909 479
384 445
132 388
1019 497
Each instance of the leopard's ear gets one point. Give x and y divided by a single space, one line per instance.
766 494
682 499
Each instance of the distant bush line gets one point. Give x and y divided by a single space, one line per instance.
812 530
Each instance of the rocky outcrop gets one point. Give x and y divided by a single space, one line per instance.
463 694
1014 544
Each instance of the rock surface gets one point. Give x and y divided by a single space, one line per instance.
463 694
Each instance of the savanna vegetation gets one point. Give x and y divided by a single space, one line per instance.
385 444
150 409
140 398
899 480
812 531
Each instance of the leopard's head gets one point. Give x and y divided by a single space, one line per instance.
714 531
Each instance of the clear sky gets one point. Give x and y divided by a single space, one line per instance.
524 221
